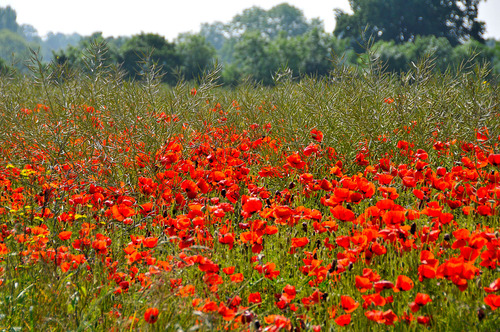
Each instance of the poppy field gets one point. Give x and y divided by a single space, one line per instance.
360 201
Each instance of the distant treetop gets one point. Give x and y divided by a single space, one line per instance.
403 20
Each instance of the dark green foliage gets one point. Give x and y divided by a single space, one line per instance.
162 52
403 20
73 55
8 19
253 57
196 55
258 43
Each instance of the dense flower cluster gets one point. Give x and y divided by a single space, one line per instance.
239 227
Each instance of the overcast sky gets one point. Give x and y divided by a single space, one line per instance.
169 18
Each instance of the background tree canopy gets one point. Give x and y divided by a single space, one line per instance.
403 20
257 43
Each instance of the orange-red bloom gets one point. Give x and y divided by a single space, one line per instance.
151 315
493 301
343 320
348 304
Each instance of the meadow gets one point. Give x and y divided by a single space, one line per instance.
362 201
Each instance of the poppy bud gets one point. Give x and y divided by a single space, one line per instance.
318 243
256 324
413 229
350 266
447 237
291 185
304 227
247 316
481 314
333 268
223 192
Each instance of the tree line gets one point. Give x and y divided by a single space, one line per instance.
257 43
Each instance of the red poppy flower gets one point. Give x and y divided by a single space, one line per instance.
494 159
424 320
299 242
348 304
343 213
190 188
151 315
403 283
237 278
317 135
494 286
254 298
363 284
225 312
493 301
122 211
290 291
65 235
343 320
251 205
150 242
295 161
383 284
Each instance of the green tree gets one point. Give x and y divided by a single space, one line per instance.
279 19
214 33
196 55
403 20
252 55
287 52
73 55
399 57
8 19
164 53
316 52
58 41
13 48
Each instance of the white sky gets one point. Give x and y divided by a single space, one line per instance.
169 18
